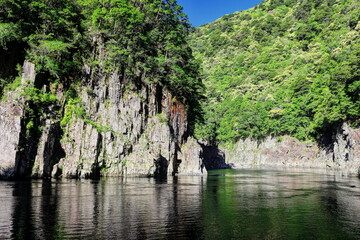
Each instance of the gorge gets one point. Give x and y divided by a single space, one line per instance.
128 88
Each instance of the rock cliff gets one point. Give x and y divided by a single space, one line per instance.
117 127
342 152
14 158
123 128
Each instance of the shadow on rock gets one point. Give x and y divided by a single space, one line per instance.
214 158
161 165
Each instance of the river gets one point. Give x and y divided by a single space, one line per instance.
226 204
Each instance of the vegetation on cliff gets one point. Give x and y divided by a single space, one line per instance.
283 67
145 41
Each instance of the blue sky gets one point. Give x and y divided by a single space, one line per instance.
205 11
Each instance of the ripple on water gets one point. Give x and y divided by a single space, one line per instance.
229 204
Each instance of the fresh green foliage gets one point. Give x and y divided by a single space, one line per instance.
38 97
283 67
73 110
8 32
162 117
50 30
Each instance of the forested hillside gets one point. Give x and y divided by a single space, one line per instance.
284 67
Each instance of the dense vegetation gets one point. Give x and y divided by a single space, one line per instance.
283 67
145 41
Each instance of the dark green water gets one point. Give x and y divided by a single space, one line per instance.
230 204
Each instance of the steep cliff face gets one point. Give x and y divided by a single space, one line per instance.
14 135
110 93
343 153
124 128
346 147
10 125
127 127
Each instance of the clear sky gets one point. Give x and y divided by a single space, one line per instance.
205 11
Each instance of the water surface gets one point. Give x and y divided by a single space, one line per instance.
226 204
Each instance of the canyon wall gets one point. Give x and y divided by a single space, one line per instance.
129 128
125 128
341 152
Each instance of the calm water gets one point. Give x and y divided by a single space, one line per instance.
230 204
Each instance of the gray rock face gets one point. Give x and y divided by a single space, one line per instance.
191 158
343 154
10 129
346 150
50 150
285 152
11 115
28 73
123 129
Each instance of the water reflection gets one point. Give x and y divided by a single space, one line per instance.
228 204
260 204
132 208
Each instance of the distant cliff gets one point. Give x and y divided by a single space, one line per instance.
341 151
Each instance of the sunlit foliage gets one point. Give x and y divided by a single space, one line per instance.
283 67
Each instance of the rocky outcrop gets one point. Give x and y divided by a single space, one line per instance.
115 127
191 158
342 153
346 147
12 129
49 152
126 128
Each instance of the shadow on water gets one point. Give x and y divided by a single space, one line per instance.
35 213
22 218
